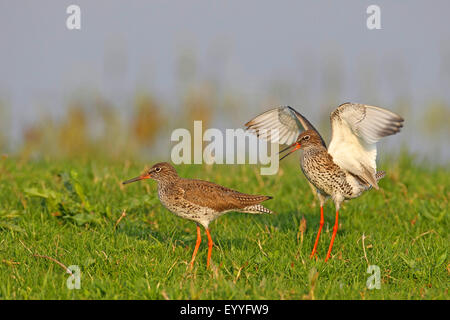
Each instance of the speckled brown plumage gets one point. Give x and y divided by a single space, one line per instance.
329 179
198 200
348 167
205 194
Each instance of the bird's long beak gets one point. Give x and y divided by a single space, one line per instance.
295 146
141 177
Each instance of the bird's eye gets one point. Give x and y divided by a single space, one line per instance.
158 169
306 138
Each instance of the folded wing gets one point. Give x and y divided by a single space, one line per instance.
356 128
220 198
288 122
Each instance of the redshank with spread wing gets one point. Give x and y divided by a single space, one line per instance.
348 167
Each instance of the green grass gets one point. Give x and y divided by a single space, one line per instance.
67 210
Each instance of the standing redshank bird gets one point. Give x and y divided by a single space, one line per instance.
198 200
348 167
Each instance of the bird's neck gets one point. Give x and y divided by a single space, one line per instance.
313 151
167 180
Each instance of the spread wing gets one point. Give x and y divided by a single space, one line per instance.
356 128
286 120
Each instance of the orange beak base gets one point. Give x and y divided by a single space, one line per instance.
293 148
141 177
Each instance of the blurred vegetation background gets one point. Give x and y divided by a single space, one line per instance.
118 90
93 126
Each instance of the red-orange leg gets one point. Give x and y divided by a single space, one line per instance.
210 245
318 233
333 236
197 244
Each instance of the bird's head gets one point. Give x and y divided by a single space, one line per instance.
158 172
306 139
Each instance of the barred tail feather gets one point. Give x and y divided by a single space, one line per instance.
380 175
256 209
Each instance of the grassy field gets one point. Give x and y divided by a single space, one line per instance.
68 211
